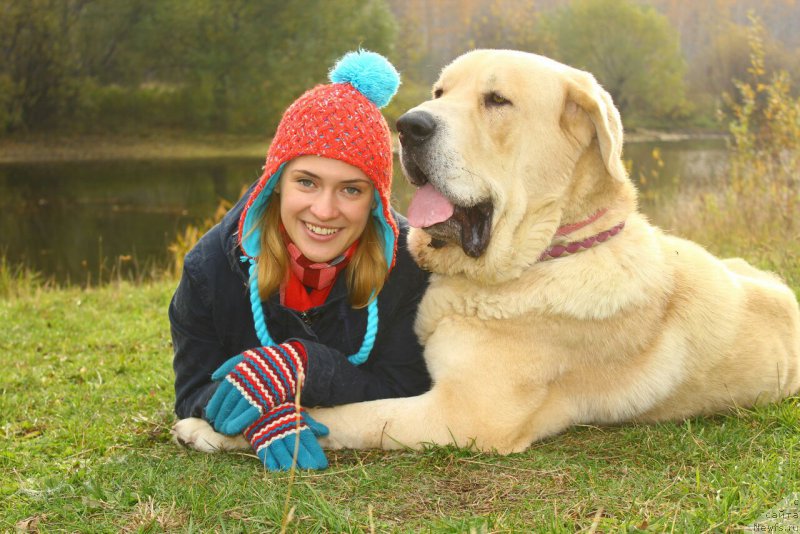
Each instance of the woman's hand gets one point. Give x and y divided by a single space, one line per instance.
274 437
253 383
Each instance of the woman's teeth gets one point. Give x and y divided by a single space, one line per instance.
319 230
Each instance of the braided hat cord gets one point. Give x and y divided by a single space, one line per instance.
266 339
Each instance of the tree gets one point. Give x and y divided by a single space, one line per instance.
631 50
434 32
242 62
219 65
35 65
728 58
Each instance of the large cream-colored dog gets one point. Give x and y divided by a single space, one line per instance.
554 302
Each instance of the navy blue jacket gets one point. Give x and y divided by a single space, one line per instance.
211 321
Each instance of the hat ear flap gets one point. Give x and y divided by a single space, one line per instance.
386 229
249 230
589 96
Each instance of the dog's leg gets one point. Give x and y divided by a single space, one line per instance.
197 434
434 418
386 423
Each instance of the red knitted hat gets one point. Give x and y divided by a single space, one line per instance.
342 121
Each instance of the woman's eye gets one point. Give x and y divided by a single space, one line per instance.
352 191
305 182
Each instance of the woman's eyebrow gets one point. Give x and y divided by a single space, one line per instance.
307 173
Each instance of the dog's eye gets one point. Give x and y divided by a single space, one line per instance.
496 99
438 92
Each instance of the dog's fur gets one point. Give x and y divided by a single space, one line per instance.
643 327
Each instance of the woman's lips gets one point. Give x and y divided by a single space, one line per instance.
320 232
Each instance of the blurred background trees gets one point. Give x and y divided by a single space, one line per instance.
633 50
195 65
129 66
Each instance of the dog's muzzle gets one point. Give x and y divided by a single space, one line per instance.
414 129
468 226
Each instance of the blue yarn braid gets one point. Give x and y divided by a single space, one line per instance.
266 340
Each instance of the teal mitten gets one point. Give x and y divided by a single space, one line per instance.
253 383
274 437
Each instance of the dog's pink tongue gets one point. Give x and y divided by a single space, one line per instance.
428 207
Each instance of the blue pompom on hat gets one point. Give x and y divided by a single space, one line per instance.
370 73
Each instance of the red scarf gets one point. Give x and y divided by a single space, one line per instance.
308 284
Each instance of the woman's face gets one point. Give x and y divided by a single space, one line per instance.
325 205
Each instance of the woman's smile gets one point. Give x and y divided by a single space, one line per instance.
321 231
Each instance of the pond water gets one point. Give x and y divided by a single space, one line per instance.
74 221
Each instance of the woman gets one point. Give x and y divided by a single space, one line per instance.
307 280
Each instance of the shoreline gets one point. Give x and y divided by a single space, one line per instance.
48 149
161 146
644 135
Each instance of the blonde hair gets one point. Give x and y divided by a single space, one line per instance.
365 274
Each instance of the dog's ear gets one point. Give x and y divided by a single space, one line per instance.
584 93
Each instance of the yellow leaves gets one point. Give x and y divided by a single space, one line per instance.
192 233
766 117
762 200
656 155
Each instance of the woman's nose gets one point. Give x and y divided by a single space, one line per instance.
324 206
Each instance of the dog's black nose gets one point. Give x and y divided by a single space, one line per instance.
415 127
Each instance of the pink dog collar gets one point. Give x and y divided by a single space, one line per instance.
569 228
557 251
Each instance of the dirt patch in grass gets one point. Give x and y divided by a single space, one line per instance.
148 515
440 481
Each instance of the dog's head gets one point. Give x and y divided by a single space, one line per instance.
511 145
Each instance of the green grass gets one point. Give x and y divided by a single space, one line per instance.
86 406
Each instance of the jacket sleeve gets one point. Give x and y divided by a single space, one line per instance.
395 368
197 348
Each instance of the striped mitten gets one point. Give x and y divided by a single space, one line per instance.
255 382
274 437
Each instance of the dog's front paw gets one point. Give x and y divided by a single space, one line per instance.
331 443
197 434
